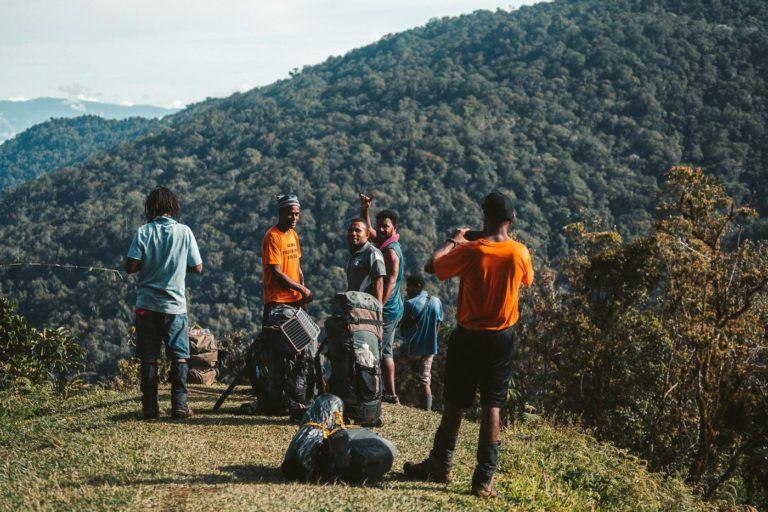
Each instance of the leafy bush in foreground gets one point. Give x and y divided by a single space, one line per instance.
32 356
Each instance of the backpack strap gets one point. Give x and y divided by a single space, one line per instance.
364 321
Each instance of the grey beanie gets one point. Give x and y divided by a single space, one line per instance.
286 200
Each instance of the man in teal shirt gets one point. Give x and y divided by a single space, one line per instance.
388 242
162 252
422 317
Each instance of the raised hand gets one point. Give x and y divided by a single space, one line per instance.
365 201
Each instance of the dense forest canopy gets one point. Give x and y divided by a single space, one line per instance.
574 108
64 142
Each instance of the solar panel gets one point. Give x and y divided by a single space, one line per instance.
300 331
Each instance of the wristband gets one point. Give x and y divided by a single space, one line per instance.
454 242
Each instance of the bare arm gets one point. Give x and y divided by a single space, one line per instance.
283 279
132 266
365 207
449 245
392 264
197 269
377 287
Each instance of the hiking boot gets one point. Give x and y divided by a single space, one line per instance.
482 485
182 415
150 410
429 470
149 413
179 407
482 478
390 399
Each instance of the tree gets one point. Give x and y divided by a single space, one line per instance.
663 339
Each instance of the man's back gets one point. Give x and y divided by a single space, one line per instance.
491 274
166 248
423 313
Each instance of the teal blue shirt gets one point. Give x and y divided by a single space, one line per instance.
423 314
394 306
165 248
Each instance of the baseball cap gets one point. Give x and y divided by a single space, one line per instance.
499 206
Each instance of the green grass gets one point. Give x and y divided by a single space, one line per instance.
90 452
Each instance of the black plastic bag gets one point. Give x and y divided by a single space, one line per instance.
301 459
356 455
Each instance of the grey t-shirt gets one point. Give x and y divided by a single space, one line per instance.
363 267
165 248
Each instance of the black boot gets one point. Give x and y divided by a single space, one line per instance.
482 479
179 407
150 410
436 467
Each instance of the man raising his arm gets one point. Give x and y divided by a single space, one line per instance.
387 239
480 350
162 252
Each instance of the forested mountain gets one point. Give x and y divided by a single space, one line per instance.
17 116
63 142
575 108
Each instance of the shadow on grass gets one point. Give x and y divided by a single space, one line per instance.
51 411
257 474
202 418
241 474
197 389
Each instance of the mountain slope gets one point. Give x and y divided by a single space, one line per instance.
63 142
90 452
17 116
552 104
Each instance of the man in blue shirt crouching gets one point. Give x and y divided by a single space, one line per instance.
162 252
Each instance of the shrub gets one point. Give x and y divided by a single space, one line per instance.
33 356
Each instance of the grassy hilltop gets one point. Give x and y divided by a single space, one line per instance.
90 452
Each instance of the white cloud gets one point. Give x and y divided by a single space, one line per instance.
77 91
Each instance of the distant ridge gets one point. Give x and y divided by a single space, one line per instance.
64 142
17 116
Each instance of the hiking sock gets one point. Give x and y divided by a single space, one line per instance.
428 402
179 373
148 386
487 459
442 448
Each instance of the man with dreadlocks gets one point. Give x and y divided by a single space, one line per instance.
162 252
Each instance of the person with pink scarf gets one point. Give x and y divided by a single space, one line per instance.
387 240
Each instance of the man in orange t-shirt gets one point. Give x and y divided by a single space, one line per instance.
492 267
280 257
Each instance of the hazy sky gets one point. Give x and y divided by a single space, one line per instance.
176 52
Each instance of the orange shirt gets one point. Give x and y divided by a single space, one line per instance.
491 274
280 248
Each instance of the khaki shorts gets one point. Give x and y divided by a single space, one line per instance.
425 369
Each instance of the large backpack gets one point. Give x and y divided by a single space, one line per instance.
289 375
352 345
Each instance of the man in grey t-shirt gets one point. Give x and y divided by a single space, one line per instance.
162 252
365 267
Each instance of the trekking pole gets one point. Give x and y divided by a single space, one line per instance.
249 356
